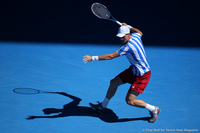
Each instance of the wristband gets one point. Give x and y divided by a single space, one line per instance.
94 58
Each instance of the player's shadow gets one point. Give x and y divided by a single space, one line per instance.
72 109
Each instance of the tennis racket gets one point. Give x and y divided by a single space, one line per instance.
30 91
102 12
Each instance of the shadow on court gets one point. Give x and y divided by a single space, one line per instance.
72 109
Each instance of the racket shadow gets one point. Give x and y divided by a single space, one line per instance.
72 109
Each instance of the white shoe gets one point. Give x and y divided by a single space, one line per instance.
154 114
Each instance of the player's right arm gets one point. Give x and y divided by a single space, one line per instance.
88 58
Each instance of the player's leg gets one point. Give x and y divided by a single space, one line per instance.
114 83
138 85
131 99
122 78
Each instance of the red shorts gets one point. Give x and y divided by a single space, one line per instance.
138 83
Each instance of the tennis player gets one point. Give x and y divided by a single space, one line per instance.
138 74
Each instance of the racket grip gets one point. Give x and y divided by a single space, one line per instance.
119 23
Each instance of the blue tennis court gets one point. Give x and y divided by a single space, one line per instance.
52 67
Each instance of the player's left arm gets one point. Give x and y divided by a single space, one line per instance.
88 58
134 29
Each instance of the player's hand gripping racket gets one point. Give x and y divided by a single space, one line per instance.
102 12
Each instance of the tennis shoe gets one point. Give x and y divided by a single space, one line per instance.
154 114
98 107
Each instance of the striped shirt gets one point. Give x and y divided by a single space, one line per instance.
136 55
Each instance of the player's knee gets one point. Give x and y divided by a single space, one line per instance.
130 102
113 83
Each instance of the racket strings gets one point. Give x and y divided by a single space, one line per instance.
100 11
26 91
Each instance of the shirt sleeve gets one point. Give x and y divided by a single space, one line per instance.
123 50
136 35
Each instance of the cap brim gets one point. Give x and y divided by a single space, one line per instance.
120 35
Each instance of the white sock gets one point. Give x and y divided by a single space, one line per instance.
150 107
105 102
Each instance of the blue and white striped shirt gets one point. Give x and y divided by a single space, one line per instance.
136 55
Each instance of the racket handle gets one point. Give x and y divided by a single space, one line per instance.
119 23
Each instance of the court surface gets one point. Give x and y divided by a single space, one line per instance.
174 87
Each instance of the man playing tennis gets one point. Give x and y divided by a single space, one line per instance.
138 74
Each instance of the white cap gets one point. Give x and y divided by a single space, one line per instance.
123 30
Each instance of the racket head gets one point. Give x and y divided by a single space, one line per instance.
100 11
27 91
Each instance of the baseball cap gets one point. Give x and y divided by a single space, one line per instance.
123 30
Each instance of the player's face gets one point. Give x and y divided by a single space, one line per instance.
125 38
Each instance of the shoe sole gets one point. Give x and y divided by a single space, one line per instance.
156 116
